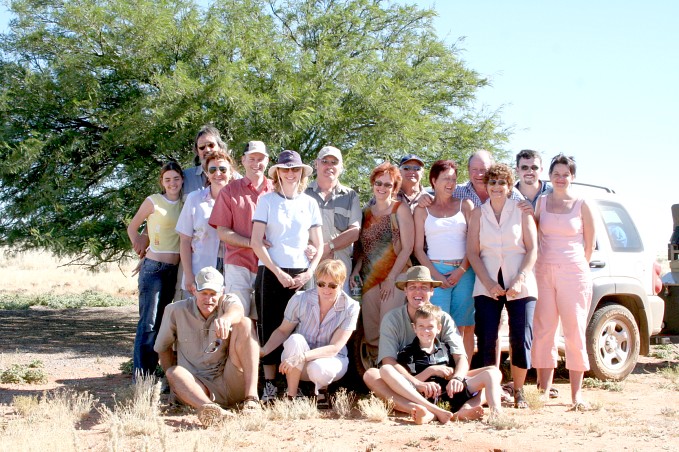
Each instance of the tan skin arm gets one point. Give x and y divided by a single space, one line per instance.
588 230
407 237
185 252
167 359
343 240
140 241
530 242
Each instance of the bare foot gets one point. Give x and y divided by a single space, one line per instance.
444 416
467 413
421 415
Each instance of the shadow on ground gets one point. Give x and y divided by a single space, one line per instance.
87 331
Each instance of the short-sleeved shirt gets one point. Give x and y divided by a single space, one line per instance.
466 191
193 222
163 239
304 311
233 209
416 360
396 331
288 221
184 327
545 188
339 210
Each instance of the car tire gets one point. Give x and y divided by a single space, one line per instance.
612 342
360 351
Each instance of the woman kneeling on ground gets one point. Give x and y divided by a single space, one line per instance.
322 320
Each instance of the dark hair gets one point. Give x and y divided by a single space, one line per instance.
440 166
169 166
500 171
212 131
561 159
392 171
528 154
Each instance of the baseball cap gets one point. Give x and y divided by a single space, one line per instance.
411 157
209 278
255 147
330 150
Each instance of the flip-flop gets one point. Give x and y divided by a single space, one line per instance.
580 406
553 392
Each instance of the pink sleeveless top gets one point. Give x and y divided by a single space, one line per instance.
560 235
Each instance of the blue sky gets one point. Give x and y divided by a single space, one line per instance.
596 80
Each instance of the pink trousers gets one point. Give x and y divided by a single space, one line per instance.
564 292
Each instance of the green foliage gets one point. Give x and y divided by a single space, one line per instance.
613 386
128 366
89 298
95 95
33 373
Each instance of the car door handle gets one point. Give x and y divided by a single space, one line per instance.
597 264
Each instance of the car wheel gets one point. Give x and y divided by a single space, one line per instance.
612 342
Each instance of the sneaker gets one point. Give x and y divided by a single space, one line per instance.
270 392
212 414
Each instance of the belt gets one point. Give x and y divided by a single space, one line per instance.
457 262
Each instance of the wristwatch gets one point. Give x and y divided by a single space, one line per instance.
331 245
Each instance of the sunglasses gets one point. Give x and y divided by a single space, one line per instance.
330 162
411 168
379 183
222 169
213 346
208 145
526 167
295 169
322 284
500 182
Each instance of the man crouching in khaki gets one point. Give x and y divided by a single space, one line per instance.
216 356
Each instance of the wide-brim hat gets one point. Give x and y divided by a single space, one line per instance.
418 273
290 159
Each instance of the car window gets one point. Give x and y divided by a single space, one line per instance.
622 233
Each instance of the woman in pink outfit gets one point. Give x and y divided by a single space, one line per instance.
566 241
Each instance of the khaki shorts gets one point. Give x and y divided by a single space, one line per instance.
240 281
227 389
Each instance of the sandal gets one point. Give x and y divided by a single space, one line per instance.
251 404
322 400
520 401
553 392
580 407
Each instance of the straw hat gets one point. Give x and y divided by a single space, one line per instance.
418 273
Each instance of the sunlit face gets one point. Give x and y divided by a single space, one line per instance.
411 171
426 330
327 293
207 301
218 172
254 165
383 187
289 177
446 182
172 182
478 166
418 293
561 176
529 171
205 143
329 168
498 187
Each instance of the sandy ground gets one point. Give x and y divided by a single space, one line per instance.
83 349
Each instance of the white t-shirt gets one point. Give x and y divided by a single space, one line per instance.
193 221
288 222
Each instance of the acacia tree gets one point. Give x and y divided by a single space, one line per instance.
96 94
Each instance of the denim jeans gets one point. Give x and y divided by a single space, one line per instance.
157 282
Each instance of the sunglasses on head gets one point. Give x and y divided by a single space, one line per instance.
222 169
526 167
379 183
322 284
500 182
208 145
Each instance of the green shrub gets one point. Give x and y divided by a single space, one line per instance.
33 373
89 298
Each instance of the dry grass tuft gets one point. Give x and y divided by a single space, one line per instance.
534 397
375 409
501 421
343 403
137 416
290 410
594 383
671 373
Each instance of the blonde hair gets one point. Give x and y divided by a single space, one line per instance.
333 268
303 180
428 311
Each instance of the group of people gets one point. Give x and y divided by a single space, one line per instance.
267 264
